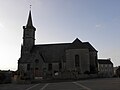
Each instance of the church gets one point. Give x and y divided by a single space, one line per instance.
59 60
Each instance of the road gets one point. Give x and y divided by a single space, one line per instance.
93 84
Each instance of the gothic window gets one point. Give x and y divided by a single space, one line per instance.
49 66
60 66
110 65
28 66
36 68
36 61
77 63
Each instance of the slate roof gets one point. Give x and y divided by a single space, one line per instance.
76 44
104 61
56 52
89 46
53 52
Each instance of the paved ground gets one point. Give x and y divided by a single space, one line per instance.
94 84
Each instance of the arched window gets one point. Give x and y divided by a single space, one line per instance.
36 68
50 66
28 67
36 61
60 66
77 63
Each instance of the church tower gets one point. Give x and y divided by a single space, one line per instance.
25 61
28 35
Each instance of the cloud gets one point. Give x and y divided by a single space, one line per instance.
98 26
1 26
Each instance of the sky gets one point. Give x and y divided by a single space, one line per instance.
60 21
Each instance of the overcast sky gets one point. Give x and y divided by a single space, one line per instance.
56 21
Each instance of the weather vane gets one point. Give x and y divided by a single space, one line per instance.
30 7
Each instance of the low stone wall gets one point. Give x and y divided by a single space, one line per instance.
75 75
66 76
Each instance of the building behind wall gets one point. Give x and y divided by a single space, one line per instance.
105 68
61 60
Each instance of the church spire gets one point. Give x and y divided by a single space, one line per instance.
29 33
29 22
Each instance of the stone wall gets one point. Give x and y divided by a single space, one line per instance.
83 59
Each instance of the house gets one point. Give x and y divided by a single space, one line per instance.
118 71
115 68
105 68
59 60
6 76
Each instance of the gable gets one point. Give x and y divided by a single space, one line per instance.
89 46
76 44
56 52
104 61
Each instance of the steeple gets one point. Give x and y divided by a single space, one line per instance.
29 33
29 22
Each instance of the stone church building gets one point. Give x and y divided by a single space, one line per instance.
61 60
